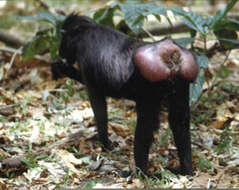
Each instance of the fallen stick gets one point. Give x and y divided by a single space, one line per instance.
17 161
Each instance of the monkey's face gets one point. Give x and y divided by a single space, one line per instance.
67 47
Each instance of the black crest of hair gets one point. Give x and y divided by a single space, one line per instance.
102 59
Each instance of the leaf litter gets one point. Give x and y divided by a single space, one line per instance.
37 112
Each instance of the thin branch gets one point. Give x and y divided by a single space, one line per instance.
149 34
165 29
12 61
9 106
16 161
50 9
11 40
19 52
217 48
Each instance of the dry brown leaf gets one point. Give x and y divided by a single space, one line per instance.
219 123
129 114
69 161
119 129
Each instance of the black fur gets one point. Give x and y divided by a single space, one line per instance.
105 65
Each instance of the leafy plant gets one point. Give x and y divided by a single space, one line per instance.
45 40
30 160
162 179
164 137
227 138
64 94
90 185
203 163
134 13
68 90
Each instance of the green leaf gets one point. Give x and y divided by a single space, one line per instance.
123 27
105 16
45 39
90 185
236 42
220 14
228 24
233 20
156 10
184 41
133 15
28 51
196 89
192 20
204 164
44 16
227 38
202 61
37 45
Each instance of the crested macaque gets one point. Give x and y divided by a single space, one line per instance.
112 64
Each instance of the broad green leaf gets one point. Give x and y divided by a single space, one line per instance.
229 43
45 39
134 14
89 185
204 164
38 44
233 20
202 61
105 16
43 16
123 27
54 46
196 89
184 41
192 20
236 42
157 17
227 24
156 10
220 14
227 37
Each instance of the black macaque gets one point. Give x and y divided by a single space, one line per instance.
112 64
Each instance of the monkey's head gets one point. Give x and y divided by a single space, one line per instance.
75 22
165 60
71 30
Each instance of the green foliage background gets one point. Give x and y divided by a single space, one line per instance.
134 13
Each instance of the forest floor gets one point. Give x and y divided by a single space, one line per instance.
48 137
39 115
